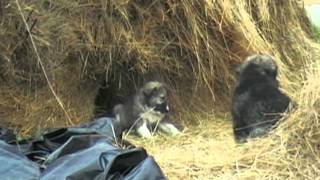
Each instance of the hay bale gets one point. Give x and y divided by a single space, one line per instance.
194 46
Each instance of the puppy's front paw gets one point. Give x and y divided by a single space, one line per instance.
144 132
169 129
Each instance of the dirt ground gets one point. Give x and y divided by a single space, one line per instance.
190 155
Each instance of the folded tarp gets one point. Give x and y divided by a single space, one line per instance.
88 151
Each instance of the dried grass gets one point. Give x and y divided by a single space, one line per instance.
207 150
194 46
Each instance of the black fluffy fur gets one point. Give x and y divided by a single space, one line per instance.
257 102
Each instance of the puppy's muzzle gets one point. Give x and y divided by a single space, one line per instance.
163 108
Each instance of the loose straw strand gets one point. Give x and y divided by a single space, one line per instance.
42 66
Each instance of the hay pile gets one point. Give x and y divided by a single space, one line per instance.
50 79
207 151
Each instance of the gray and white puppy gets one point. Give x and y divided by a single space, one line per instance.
146 111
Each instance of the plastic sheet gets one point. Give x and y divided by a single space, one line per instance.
88 151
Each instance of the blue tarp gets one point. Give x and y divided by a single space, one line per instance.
88 151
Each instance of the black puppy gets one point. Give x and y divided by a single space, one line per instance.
257 102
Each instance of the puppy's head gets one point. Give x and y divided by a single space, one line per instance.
156 95
258 65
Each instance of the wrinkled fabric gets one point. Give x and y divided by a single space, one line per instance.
7 135
84 152
14 165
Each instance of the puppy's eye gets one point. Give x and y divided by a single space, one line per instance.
155 89
162 96
271 73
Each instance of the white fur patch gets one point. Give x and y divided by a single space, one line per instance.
152 116
117 118
169 129
143 131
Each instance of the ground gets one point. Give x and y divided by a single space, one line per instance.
202 152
